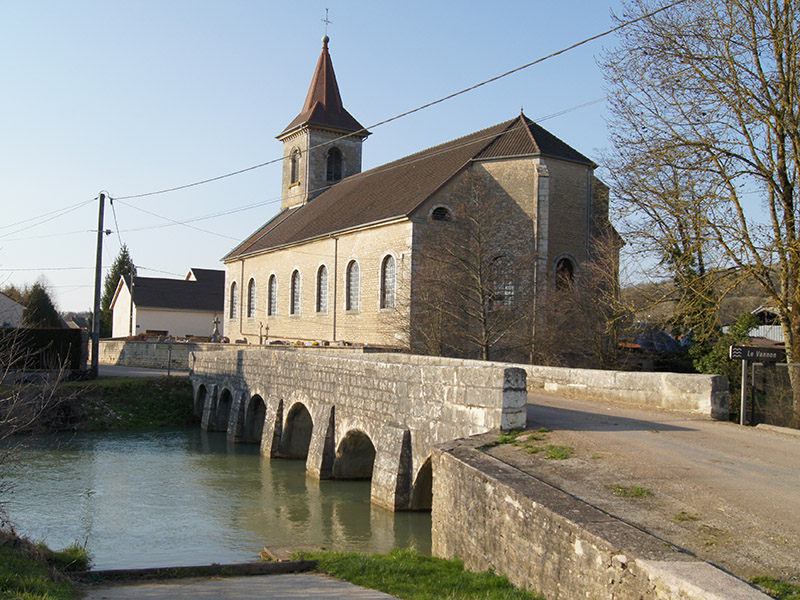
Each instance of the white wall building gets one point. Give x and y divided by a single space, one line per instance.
169 307
10 312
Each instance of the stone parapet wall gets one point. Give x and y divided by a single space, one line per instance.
493 516
700 394
156 355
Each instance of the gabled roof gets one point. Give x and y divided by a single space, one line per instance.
396 189
323 104
206 293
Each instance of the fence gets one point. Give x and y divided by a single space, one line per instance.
770 398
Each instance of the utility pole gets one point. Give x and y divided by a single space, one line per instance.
98 268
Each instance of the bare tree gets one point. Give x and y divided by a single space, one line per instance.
28 401
589 307
472 291
707 93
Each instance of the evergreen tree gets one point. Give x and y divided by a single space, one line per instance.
123 266
39 310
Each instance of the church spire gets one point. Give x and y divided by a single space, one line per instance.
323 105
322 145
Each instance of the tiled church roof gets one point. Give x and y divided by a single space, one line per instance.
398 188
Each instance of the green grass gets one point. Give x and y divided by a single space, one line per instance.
684 516
551 452
508 438
33 572
632 491
412 576
779 589
132 403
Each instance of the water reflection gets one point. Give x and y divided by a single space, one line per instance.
189 497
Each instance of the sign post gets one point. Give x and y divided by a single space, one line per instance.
753 354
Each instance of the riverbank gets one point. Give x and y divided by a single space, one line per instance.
34 572
117 404
125 403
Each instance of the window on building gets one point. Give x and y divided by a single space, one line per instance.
295 166
251 299
272 296
322 289
353 283
501 282
234 301
388 285
294 304
334 167
441 213
565 274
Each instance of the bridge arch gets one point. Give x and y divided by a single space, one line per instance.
355 456
223 412
200 400
422 490
254 417
297 430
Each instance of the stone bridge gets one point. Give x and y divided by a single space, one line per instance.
368 416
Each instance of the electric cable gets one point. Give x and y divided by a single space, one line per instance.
419 108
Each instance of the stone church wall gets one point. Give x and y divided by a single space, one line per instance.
369 324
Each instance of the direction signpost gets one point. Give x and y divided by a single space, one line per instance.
753 354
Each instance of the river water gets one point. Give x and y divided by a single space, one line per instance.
188 497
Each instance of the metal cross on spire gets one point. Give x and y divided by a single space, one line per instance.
327 21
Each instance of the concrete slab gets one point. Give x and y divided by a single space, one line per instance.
261 587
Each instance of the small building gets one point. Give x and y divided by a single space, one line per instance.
169 307
10 312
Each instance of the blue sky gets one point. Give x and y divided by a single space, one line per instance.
137 96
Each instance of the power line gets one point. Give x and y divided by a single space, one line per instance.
380 169
51 215
50 269
419 108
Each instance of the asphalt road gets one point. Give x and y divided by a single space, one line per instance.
118 371
727 493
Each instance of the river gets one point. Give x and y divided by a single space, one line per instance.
188 497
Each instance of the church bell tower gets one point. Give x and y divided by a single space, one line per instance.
322 145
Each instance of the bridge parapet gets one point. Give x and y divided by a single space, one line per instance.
331 408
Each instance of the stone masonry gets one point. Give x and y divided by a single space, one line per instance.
493 516
324 407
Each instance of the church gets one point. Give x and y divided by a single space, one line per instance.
453 250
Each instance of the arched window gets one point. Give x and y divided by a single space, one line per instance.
272 296
441 213
322 289
353 283
234 301
334 168
501 282
295 166
251 299
388 282
565 274
294 305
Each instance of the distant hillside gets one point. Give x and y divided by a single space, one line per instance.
656 302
